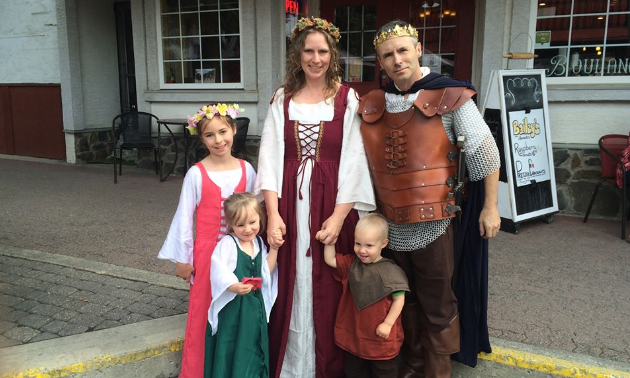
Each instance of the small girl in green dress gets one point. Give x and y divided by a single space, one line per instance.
236 336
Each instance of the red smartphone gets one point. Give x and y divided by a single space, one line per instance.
256 281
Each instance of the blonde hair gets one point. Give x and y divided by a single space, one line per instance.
295 79
374 223
236 206
229 121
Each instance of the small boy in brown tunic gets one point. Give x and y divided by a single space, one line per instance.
368 324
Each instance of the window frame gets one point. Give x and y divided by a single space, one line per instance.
160 57
443 57
344 61
581 82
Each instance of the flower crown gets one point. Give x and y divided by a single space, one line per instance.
209 111
316 23
395 32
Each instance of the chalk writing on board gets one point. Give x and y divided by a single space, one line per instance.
522 84
529 146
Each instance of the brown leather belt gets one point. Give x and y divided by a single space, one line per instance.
416 213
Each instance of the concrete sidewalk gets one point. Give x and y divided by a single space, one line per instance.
558 292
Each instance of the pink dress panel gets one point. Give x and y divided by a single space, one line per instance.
210 226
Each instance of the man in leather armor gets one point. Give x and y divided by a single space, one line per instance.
409 131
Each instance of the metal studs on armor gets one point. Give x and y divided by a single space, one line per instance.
450 181
403 215
451 155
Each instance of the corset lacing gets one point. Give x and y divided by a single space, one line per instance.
307 138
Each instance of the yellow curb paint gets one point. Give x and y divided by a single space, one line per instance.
554 366
100 362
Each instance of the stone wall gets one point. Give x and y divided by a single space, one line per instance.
577 169
97 147
93 146
577 172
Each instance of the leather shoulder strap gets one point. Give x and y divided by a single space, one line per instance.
454 98
372 106
439 101
428 101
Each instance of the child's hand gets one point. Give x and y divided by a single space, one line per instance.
278 237
318 235
383 330
240 288
274 223
184 271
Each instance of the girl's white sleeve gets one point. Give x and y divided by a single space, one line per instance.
269 281
222 276
271 152
251 177
179 243
354 184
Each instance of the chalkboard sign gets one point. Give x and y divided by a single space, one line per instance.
516 111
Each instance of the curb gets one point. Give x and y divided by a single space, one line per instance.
96 267
141 350
147 349
554 362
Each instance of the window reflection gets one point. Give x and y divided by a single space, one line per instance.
437 24
357 25
617 61
576 38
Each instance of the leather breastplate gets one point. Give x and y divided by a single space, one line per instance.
412 162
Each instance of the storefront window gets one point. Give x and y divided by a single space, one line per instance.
356 48
580 38
436 24
200 43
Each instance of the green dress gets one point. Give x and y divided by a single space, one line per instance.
240 348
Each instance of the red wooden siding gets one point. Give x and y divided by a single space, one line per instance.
31 121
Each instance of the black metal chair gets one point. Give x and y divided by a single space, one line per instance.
242 125
134 129
611 147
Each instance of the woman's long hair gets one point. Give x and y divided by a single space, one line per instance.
295 79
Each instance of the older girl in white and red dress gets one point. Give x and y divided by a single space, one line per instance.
205 187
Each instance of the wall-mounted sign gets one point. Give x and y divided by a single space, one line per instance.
543 38
433 61
291 7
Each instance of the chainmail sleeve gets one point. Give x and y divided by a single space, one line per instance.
482 154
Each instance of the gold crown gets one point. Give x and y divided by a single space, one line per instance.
316 23
395 32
